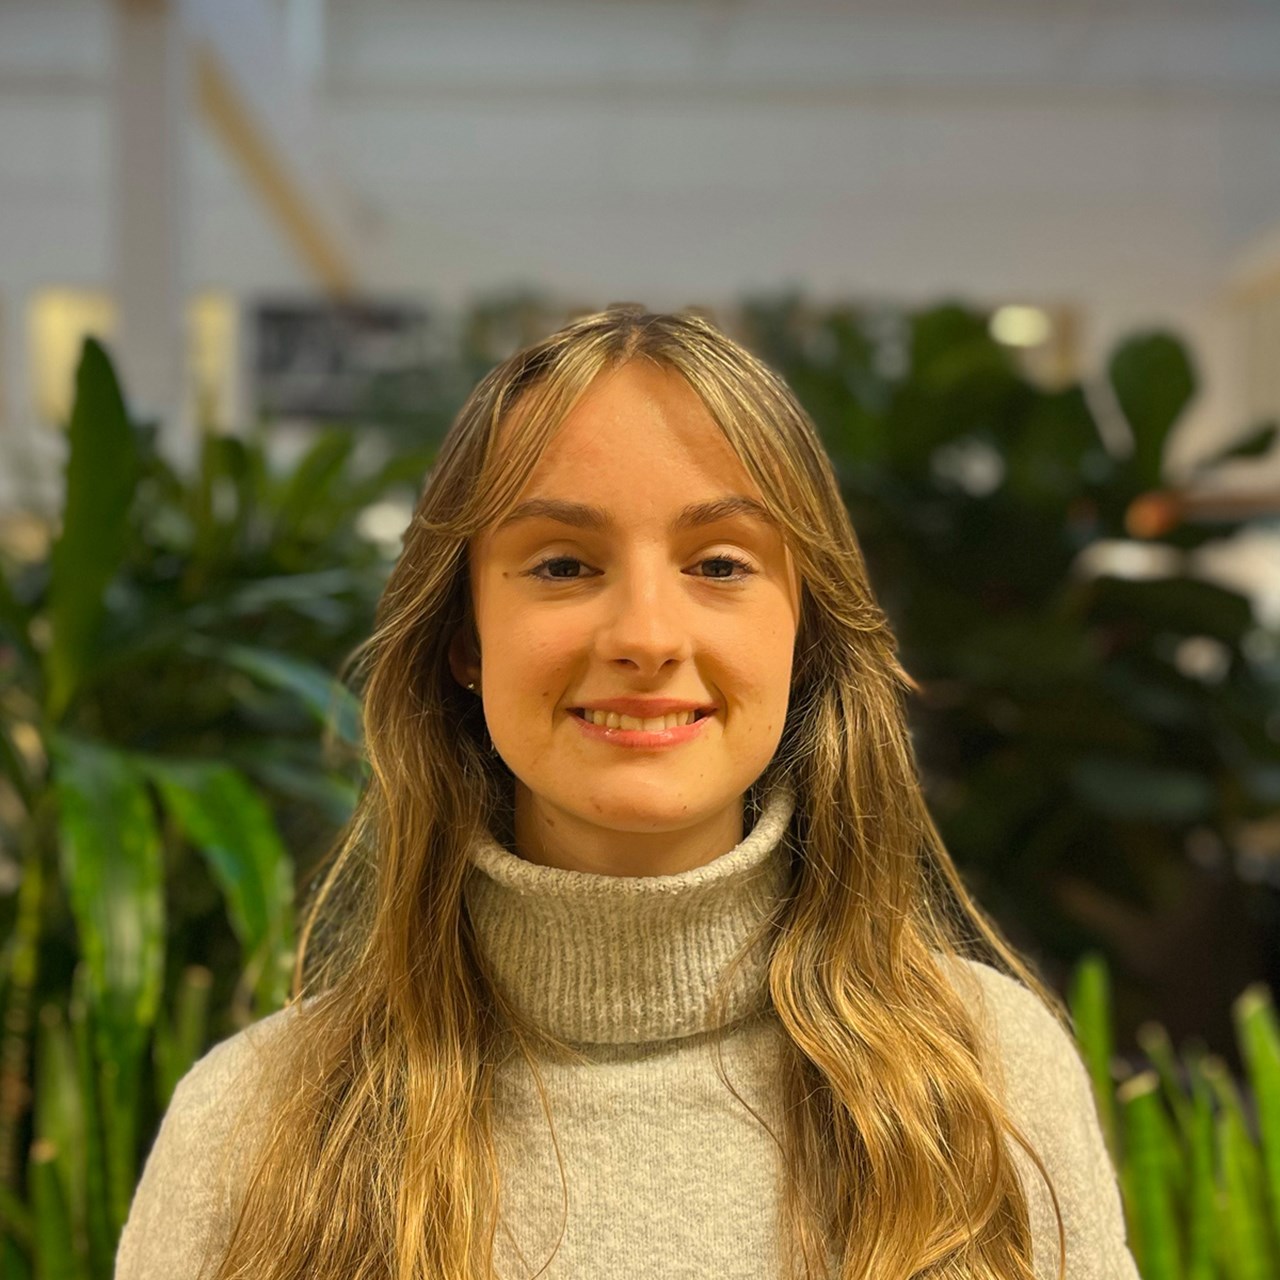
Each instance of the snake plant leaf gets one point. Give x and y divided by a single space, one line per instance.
55 1252
102 471
1242 1206
1175 1154
1153 1200
59 1110
17 1230
1089 999
231 825
1154 381
1257 1033
1154 1041
1202 1191
1241 1216
181 1036
1129 1192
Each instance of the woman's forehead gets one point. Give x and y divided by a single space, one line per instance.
649 418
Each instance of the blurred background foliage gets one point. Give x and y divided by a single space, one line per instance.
1099 729
176 754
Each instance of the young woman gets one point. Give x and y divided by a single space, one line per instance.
698 993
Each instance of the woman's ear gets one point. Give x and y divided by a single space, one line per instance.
464 658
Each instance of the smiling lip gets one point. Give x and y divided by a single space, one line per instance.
642 737
643 708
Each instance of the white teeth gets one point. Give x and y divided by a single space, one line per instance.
611 720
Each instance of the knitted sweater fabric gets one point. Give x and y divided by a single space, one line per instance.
666 1174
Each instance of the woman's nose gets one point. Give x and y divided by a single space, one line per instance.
647 613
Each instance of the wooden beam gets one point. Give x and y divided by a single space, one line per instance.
267 172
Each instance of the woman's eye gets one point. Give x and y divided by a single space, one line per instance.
551 560
742 569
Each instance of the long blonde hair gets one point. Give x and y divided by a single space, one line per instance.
377 1159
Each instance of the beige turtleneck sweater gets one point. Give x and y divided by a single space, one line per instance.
668 1175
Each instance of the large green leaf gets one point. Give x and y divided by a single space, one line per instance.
1255 443
1055 443
308 594
102 470
1154 382
288 768
231 825
1179 605
323 696
113 873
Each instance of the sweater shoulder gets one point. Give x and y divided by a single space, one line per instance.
1035 1053
1049 1094
217 1077
181 1205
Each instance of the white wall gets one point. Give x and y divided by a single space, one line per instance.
685 152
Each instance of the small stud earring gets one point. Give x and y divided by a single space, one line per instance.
472 686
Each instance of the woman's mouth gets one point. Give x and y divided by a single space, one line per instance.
655 724
668 731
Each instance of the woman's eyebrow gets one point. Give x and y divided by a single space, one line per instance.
583 515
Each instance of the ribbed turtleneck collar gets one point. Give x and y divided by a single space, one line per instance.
597 959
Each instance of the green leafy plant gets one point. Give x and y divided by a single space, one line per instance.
1198 1156
166 673
1093 707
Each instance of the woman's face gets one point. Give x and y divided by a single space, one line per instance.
569 615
